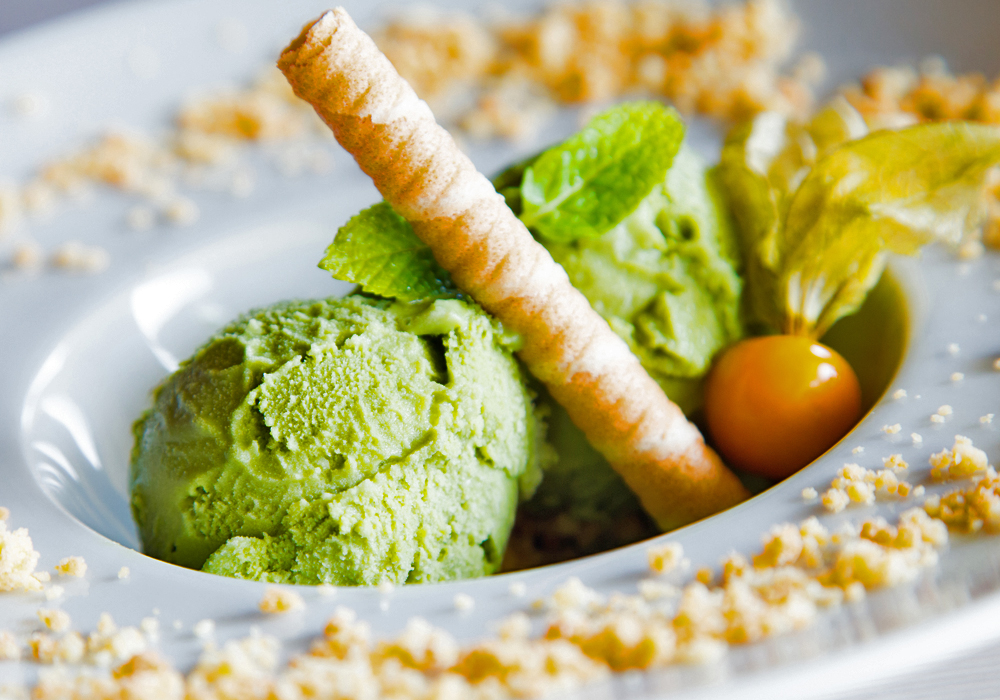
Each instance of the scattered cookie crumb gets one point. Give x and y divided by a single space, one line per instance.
326 590
937 418
917 438
18 560
464 602
140 218
953 349
963 460
666 557
957 376
27 255
857 450
4 513
899 394
653 589
54 592
10 650
78 257
150 626
518 589
72 566
891 429
809 494
895 461
835 500
996 364
203 629
123 573
945 410
987 419
280 600
182 212
55 619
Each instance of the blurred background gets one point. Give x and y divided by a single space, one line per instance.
15 14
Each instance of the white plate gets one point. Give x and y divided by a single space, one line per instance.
81 353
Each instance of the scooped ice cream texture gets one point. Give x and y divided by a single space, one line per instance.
348 441
666 280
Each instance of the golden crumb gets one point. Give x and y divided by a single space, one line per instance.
203 629
74 256
140 218
972 509
945 410
18 560
704 575
987 419
72 566
518 589
895 461
857 484
42 576
899 394
4 513
150 626
957 376
917 438
280 600
809 494
962 461
666 557
27 255
181 211
124 573
53 618
464 602
937 418
835 500
891 429
725 63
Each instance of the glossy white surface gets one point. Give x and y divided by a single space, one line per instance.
81 353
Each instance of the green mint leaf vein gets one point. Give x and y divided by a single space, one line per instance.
585 186
378 250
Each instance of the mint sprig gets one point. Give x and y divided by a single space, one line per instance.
378 250
585 186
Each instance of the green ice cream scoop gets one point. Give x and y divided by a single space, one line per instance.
347 441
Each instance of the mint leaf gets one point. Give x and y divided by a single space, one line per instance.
378 250
588 184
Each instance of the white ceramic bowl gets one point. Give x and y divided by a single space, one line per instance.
81 353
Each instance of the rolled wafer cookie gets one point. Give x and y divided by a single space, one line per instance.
454 209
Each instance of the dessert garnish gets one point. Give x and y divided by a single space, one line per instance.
819 208
491 256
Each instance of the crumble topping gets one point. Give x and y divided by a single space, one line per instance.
72 566
666 557
962 461
280 600
18 560
724 62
